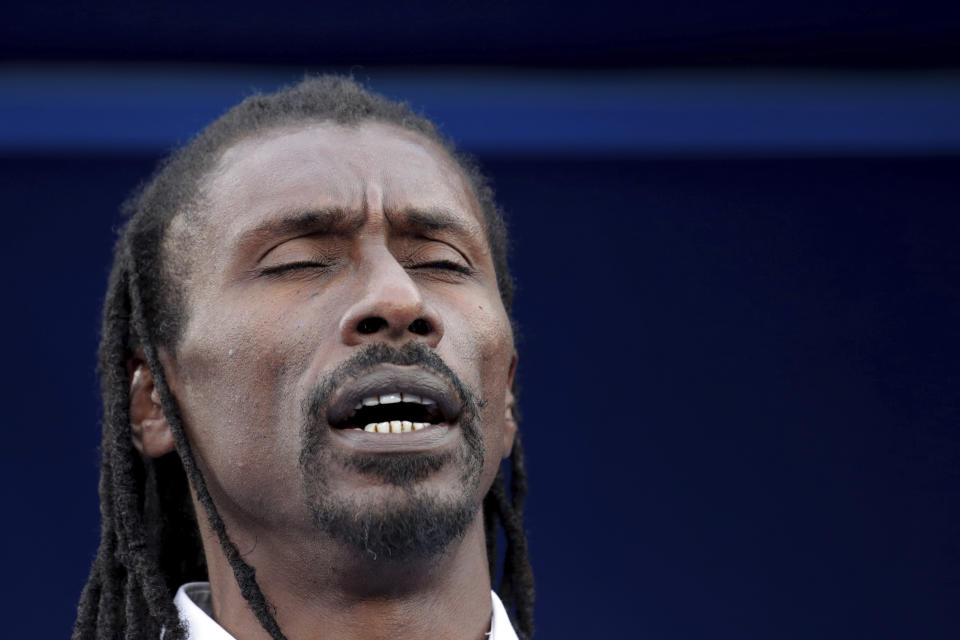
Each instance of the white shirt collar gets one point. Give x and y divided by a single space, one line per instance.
193 603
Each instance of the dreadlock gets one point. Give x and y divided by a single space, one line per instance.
149 539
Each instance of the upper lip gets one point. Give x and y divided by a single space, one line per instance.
393 379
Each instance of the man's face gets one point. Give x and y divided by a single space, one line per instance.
339 268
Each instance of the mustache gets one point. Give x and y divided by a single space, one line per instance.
413 354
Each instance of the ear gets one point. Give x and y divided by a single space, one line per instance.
149 430
509 421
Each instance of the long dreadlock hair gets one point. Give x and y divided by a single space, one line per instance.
149 540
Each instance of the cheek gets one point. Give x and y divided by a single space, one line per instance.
497 351
482 355
241 357
237 393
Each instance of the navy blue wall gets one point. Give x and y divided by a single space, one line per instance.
739 295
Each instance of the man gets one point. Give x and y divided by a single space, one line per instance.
308 378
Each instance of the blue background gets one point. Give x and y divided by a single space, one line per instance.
735 236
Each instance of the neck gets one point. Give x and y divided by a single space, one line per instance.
328 591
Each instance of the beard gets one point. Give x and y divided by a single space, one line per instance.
419 524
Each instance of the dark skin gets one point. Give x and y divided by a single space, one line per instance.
307 234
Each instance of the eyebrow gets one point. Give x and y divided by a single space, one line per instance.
300 222
338 221
434 220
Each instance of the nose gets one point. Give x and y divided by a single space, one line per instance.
391 307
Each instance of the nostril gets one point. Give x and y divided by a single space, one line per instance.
371 325
419 327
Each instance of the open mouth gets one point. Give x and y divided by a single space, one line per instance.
394 400
396 412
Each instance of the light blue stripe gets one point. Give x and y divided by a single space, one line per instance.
149 109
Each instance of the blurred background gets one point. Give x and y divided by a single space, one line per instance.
735 236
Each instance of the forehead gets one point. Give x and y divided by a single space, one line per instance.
326 165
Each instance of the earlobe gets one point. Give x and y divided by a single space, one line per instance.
149 430
509 419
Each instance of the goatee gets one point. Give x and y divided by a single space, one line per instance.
419 524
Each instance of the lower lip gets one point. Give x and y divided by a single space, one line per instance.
426 439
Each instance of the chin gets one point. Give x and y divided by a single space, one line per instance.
414 525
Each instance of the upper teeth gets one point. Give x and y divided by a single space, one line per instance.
393 398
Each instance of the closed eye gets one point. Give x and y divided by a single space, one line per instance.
293 266
446 265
